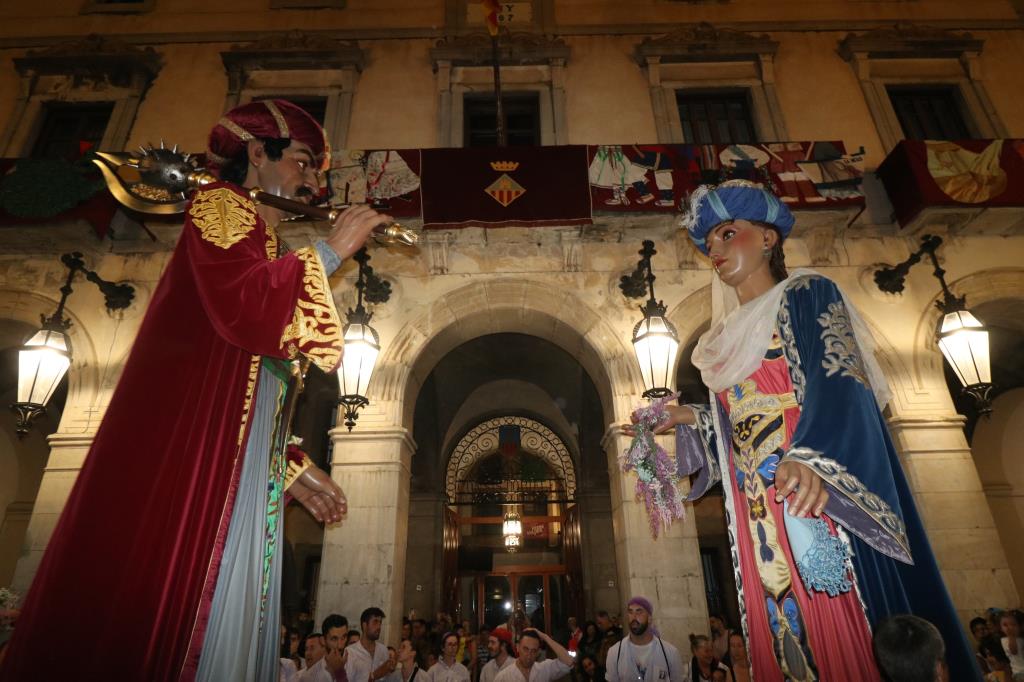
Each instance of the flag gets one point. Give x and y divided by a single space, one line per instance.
491 8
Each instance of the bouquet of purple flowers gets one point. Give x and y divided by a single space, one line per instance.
657 482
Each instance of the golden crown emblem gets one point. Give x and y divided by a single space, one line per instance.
504 166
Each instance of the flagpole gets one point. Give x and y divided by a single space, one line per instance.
499 113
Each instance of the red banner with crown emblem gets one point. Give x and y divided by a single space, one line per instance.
504 187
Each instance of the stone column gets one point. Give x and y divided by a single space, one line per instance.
363 561
67 454
956 516
666 570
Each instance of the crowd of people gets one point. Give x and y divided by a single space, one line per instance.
906 649
439 651
1000 647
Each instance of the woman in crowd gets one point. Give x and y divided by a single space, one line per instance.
704 664
737 659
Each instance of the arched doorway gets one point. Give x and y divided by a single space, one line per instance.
512 465
995 441
709 511
500 419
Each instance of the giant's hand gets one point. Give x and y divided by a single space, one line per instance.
315 490
811 493
352 228
677 414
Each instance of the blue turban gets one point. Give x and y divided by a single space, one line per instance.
710 206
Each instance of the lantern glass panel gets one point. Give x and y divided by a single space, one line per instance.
963 340
656 344
362 347
42 363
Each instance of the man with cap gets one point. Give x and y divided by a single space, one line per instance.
828 541
644 656
169 549
499 646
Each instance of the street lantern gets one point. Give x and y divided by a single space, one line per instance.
512 530
46 356
362 346
362 343
655 340
961 337
963 340
655 343
42 363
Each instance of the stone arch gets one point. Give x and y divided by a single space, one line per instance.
506 305
482 441
980 287
690 316
505 396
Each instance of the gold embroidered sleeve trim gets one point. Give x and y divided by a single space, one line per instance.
223 217
296 469
315 330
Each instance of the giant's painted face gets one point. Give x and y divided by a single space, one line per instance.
737 249
294 176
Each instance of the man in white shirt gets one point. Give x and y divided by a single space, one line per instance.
643 655
369 661
408 670
527 669
322 665
1012 643
447 669
499 646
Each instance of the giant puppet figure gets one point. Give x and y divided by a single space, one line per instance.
166 562
826 538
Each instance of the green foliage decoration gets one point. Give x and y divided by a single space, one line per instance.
43 188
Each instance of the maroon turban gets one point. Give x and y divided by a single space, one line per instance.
275 118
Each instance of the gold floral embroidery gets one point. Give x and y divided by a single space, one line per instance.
840 345
250 388
272 243
223 217
315 329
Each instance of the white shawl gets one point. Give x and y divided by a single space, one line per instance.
733 348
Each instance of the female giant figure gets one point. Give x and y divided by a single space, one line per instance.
826 539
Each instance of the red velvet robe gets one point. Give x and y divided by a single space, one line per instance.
124 589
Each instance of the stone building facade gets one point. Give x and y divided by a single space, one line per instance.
396 75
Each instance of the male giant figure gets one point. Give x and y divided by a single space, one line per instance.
167 556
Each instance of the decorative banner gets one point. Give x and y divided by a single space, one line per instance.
389 180
660 177
919 174
509 186
567 185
